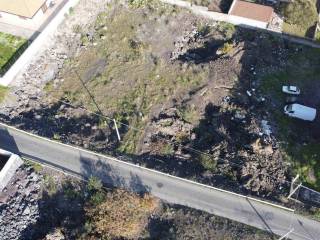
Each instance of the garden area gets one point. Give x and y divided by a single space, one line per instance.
9 48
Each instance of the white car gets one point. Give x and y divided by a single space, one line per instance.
300 111
294 90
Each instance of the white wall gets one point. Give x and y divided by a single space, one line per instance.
9 169
22 22
247 21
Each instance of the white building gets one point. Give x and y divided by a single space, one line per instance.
257 15
23 13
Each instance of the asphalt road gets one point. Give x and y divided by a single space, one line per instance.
169 188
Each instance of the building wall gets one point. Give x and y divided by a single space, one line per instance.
247 21
21 21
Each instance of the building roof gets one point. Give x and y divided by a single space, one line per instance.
23 8
251 10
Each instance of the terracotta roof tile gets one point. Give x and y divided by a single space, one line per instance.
251 10
23 8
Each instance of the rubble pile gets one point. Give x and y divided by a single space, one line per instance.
167 125
19 203
181 44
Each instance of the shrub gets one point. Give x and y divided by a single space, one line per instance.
203 29
208 162
50 185
227 29
121 215
226 48
94 184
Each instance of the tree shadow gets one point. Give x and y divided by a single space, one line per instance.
57 210
65 208
67 124
7 142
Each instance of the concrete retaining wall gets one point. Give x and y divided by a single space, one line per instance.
9 168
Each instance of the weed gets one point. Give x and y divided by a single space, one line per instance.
203 29
207 162
71 10
204 3
94 184
3 93
70 190
167 149
227 29
189 114
56 136
50 185
35 166
182 137
226 48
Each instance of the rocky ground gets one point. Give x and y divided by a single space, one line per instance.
211 123
26 90
40 203
19 203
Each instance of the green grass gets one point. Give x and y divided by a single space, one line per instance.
50 185
298 145
208 162
300 17
133 79
3 92
167 149
189 114
9 44
36 166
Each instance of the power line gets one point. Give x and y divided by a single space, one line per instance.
171 142
112 120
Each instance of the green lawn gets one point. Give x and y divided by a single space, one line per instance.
9 44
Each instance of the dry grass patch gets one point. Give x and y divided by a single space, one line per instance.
122 214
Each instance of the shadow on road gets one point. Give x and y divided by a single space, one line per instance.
7 142
111 176
262 218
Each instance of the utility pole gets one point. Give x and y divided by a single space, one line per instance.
292 189
286 235
115 125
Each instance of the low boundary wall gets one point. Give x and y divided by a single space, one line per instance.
9 168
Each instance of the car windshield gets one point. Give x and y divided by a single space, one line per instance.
289 108
293 88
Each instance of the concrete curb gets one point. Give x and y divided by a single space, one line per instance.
150 170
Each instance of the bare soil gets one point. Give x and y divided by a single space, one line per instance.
190 96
